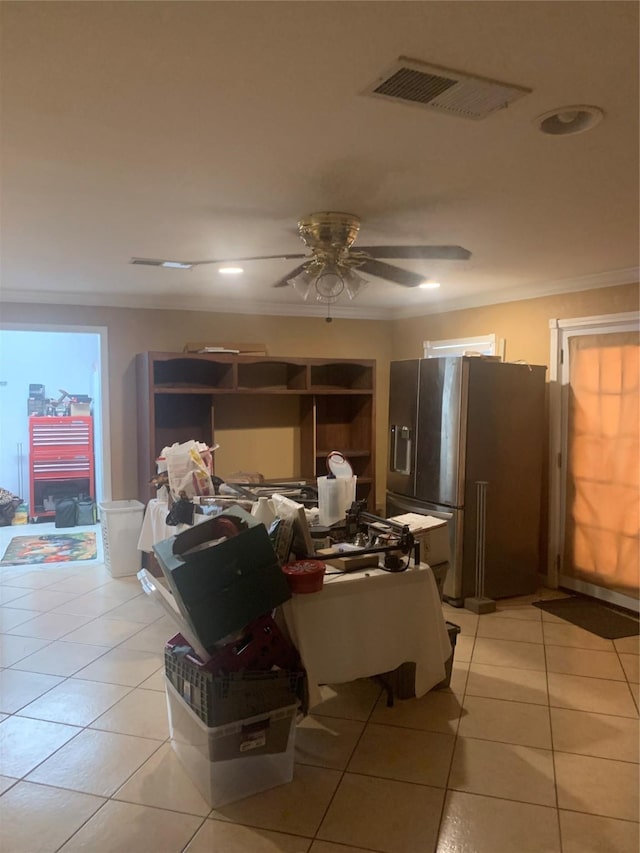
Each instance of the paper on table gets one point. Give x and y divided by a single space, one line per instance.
417 522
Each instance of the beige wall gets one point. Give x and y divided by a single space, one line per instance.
524 325
131 331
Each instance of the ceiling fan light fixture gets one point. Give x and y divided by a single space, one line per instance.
567 121
330 267
329 285
354 283
301 283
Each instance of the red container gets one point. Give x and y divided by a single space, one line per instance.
305 575
261 647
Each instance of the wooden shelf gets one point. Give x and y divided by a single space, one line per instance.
347 375
267 374
346 451
187 396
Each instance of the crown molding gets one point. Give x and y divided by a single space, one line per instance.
631 275
195 303
612 278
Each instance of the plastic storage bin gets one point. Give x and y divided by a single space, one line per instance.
121 523
453 631
400 683
228 763
223 698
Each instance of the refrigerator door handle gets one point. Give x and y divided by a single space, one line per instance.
400 462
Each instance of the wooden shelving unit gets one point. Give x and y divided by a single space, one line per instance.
179 394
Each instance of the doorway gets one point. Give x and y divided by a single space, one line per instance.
594 508
40 364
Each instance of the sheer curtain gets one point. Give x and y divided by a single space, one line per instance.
603 501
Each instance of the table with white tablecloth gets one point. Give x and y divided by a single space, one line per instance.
369 622
155 527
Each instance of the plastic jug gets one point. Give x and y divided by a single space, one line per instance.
335 496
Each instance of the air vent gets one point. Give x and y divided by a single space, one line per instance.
434 88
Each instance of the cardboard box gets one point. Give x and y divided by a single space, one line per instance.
220 586
432 534
347 563
242 349
77 409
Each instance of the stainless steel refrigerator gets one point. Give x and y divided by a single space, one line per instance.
455 423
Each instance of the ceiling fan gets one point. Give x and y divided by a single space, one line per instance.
331 266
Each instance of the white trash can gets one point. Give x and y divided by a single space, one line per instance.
121 522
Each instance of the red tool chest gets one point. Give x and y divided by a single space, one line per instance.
61 460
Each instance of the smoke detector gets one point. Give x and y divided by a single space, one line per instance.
415 83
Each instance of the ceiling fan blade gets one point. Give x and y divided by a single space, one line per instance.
452 253
293 257
173 264
391 273
284 281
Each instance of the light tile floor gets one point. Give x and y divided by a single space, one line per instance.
534 747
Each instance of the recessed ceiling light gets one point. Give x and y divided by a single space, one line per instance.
429 285
230 270
566 121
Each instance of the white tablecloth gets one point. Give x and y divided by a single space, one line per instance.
369 622
155 527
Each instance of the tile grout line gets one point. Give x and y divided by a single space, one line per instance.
367 722
109 799
553 751
635 701
456 736
65 678
82 728
345 770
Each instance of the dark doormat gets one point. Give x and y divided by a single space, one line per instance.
594 616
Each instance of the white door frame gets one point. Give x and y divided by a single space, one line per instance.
561 331
102 332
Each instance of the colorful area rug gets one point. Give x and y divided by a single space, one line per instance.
50 548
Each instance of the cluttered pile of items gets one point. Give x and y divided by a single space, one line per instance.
9 504
303 520
235 682
63 406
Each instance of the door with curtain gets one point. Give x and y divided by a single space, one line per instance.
597 548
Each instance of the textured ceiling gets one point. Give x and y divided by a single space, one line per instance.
206 129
